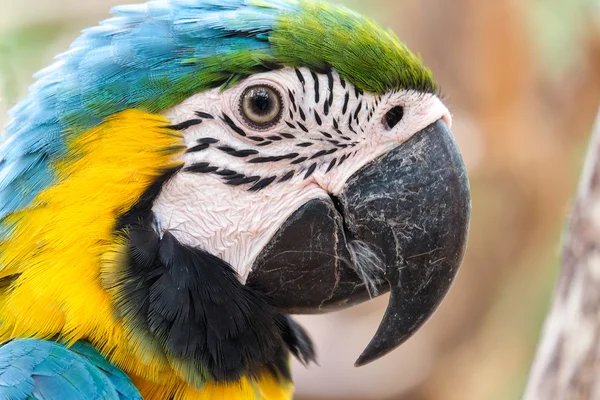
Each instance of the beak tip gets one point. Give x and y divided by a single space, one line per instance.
370 354
361 361
380 345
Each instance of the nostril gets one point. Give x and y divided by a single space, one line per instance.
393 116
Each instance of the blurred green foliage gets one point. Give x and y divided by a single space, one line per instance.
556 28
21 53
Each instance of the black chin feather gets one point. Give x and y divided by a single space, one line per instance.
192 306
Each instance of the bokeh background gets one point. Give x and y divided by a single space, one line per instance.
522 78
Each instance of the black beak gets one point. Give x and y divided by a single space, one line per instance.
400 224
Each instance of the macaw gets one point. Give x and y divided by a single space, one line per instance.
191 172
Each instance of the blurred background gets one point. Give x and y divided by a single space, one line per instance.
522 78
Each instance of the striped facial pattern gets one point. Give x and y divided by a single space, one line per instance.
325 131
325 122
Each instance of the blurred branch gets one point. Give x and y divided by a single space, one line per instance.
568 359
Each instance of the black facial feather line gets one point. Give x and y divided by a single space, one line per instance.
273 158
204 115
256 138
292 100
304 128
238 153
232 125
234 178
316 80
310 170
208 140
197 148
302 114
301 78
299 160
182 126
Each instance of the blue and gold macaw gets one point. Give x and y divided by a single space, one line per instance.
191 172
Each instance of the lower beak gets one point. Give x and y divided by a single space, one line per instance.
400 224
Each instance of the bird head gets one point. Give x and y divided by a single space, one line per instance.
190 171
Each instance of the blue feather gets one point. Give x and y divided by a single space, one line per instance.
40 369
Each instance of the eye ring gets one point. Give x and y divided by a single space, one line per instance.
261 106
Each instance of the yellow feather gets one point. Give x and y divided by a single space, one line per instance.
58 246
266 388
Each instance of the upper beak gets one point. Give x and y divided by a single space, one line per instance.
410 207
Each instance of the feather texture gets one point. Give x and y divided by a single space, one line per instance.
39 369
87 148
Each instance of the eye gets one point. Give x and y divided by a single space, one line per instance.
393 116
261 106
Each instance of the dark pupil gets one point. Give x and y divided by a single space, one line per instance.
261 101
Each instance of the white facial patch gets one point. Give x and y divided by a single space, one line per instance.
240 183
